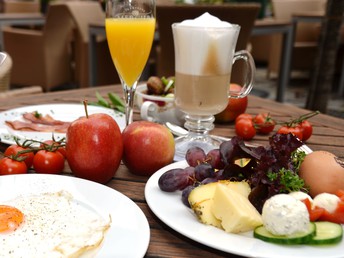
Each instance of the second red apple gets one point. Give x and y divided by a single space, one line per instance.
147 147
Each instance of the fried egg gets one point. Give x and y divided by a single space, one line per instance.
49 225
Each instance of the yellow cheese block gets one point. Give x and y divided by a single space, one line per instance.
201 199
234 210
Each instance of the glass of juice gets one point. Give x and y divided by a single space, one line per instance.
130 27
204 54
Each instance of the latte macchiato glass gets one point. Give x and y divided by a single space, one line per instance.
204 55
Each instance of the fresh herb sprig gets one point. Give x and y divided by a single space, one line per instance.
287 178
115 102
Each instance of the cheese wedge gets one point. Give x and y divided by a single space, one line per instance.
201 199
234 210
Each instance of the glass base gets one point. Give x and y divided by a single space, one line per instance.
206 142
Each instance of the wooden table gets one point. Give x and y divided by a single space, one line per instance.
261 27
10 19
165 242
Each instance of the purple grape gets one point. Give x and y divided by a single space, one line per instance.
209 180
214 159
191 173
194 156
202 171
185 195
173 180
219 175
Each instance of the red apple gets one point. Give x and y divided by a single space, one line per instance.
234 108
94 147
147 146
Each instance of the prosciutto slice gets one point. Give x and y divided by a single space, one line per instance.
37 118
39 123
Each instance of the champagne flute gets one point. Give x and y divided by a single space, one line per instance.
130 27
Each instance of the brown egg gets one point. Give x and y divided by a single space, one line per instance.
322 172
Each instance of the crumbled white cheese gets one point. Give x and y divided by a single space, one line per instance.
284 215
326 201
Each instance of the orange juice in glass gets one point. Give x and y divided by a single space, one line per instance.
130 26
130 42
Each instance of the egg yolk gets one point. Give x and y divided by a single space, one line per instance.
10 218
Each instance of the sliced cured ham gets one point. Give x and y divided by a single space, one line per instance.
38 123
29 126
38 118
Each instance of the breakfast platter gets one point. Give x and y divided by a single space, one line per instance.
128 224
60 112
168 206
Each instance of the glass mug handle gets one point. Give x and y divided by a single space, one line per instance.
249 76
149 111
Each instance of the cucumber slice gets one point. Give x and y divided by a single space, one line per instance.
327 233
297 238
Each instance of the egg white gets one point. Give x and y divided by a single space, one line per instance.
55 225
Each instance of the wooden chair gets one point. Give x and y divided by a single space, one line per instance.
242 14
42 57
17 6
5 71
306 35
83 13
30 90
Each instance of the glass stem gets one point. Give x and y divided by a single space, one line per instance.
129 94
199 124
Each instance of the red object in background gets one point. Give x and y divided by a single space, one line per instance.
234 108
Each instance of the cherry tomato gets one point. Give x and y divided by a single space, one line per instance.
337 216
263 123
245 129
14 149
295 130
340 194
306 129
10 166
244 116
314 212
52 145
48 162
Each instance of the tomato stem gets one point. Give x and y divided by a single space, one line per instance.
296 121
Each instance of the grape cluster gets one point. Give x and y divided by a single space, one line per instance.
260 166
203 168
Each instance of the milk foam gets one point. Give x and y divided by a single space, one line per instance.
206 20
205 45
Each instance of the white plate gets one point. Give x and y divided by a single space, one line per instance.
169 208
63 112
129 233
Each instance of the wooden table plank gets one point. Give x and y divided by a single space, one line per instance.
165 242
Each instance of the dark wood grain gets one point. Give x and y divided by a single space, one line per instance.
328 135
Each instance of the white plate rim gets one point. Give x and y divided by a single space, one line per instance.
75 110
239 244
132 228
